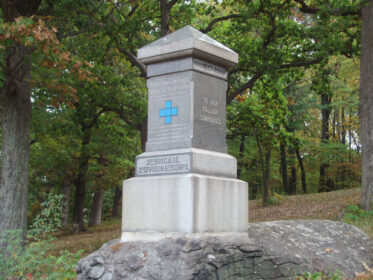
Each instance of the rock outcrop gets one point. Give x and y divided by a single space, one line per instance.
274 250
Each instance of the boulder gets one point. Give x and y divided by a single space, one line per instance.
273 250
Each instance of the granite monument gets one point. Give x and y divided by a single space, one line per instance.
186 184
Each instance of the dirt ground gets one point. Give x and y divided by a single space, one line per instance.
313 206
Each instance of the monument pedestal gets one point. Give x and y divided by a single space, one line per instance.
189 205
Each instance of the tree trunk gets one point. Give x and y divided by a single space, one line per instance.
240 156
334 125
349 137
293 177
293 180
267 190
366 103
96 212
265 165
343 127
337 134
284 168
165 17
80 182
253 183
15 122
15 150
303 172
144 133
66 204
343 141
117 197
325 113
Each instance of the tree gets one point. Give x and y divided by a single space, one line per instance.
366 103
25 38
321 85
15 121
261 115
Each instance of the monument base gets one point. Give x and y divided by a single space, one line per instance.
188 204
275 250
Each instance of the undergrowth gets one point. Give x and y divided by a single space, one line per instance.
45 258
32 261
320 276
360 218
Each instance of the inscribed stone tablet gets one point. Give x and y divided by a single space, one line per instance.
169 120
167 164
209 113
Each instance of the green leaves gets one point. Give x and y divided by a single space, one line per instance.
50 217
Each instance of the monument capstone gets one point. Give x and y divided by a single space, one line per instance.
186 184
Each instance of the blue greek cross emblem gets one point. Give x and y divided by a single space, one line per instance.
168 112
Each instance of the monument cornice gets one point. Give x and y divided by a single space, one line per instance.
196 44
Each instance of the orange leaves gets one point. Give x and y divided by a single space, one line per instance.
65 56
61 67
241 98
87 64
43 33
29 32
81 73
145 35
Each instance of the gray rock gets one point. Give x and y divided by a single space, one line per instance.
96 272
275 250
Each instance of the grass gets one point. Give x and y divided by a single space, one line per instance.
89 241
329 206
362 219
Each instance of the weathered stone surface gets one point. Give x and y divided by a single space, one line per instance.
186 161
198 119
183 204
275 250
185 42
185 182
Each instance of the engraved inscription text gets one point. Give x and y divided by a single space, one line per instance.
177 163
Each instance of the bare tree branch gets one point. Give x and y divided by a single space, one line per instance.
94 120
306 9
133 10
336 12
171 3
241 89
216 20
250 84
88 29
123 116
133 59
301 63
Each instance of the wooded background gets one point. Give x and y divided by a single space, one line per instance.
74 98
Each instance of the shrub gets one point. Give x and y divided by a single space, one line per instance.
275 199
320 276
50 217
32 261
359 217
